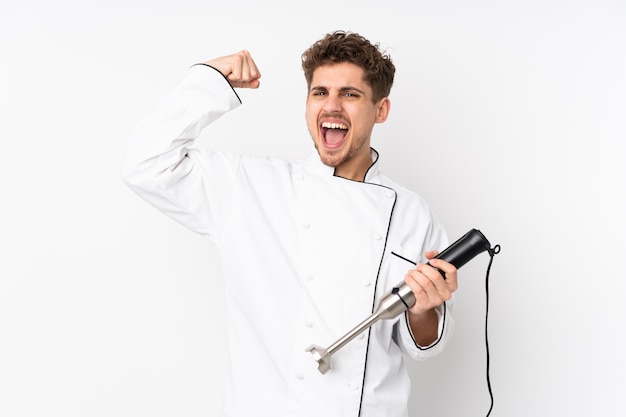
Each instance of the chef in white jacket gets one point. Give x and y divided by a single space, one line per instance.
308 247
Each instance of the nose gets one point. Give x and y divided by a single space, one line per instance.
332 104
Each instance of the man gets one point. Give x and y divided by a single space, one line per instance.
309 246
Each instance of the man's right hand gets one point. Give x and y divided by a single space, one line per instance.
239 69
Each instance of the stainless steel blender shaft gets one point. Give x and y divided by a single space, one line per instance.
396 302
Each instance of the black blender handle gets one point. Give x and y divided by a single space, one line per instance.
464 250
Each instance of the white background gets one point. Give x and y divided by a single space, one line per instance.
507 116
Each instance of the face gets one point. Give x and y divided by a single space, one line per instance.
340 115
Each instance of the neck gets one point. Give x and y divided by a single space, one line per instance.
356 168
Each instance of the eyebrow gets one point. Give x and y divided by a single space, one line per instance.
341 90
344 89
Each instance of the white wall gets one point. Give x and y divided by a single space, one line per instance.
506 116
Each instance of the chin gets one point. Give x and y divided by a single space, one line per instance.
331 159
327 157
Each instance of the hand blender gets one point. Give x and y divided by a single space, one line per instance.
401 298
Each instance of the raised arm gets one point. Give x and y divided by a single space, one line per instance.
163 166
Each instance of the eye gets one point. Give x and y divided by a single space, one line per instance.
318 92
350 94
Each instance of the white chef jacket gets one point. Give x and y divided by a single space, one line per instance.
306 256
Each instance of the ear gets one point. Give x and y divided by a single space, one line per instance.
382 112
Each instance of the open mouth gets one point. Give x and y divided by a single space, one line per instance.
334 134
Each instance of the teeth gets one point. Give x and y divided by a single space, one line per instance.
329 125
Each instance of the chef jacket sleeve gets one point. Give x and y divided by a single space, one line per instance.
407 342
192 186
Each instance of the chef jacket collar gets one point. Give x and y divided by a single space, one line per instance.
324 170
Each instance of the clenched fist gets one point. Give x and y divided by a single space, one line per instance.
239 69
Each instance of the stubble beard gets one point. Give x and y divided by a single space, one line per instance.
340 157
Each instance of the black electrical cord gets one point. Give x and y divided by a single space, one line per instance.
492 252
